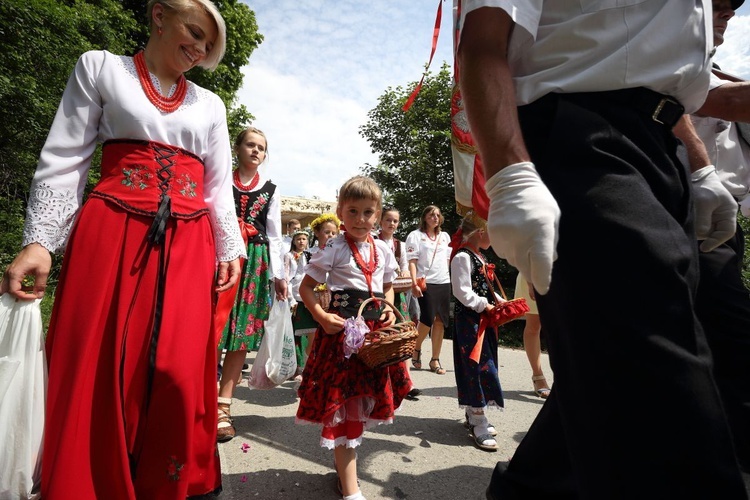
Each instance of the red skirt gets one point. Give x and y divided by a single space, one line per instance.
118 425
338 392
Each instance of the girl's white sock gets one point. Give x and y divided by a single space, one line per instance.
355 496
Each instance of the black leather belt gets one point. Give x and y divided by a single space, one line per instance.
660 108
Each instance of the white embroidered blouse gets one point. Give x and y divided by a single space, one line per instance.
335 265
104 100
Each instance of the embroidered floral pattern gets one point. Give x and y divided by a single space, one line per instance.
174 468
249 214
136 177
187 184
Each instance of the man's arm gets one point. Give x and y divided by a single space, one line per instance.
715 209
730 101
487 89
523 216
697 155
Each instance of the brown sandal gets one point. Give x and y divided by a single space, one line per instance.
417 362
437 368
225 430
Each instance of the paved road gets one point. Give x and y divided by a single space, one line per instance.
425 454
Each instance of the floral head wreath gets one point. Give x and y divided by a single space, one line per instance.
323 218
300 232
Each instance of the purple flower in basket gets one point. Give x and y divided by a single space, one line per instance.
355 330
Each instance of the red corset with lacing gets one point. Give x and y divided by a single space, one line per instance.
135 174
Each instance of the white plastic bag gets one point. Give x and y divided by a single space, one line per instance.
276 361
23 389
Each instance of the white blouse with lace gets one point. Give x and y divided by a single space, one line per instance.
104 100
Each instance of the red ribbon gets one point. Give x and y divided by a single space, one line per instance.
489 269
476 352
435 35
225 300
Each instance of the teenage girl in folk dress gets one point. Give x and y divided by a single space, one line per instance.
131 355
259 215
476 375
340 392
389 222
295 261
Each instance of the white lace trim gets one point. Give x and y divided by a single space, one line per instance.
229 243
340 441
49 217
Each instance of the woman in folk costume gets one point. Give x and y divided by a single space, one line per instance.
338 390
259 213
474 354
132 358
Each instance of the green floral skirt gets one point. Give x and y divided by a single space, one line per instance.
246 324
402 304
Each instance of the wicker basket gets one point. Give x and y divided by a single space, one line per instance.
324 298
390 344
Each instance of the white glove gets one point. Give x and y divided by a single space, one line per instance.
715 209
745 207
523 222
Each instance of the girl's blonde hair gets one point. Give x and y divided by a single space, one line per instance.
241 137
470 224
214 57
360 187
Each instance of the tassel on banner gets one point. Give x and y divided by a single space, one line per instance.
435 35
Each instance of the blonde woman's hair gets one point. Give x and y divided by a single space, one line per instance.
214 57
360 187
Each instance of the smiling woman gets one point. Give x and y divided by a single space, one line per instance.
132 367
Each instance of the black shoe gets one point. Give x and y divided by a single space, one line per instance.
412 395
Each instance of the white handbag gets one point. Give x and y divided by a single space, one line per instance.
23 391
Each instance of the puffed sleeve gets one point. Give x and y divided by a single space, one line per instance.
461 283
273 231
60 178
390 265
412 245
403 262
218 188
321 262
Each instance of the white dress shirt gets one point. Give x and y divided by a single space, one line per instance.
596 45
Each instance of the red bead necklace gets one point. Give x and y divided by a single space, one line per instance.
372 264
431 237
245 187
165 104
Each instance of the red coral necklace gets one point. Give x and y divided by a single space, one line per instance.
245 187
165 104
372 264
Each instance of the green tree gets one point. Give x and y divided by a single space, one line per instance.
415 167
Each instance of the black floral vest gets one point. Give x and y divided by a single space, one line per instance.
478 284
253 209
